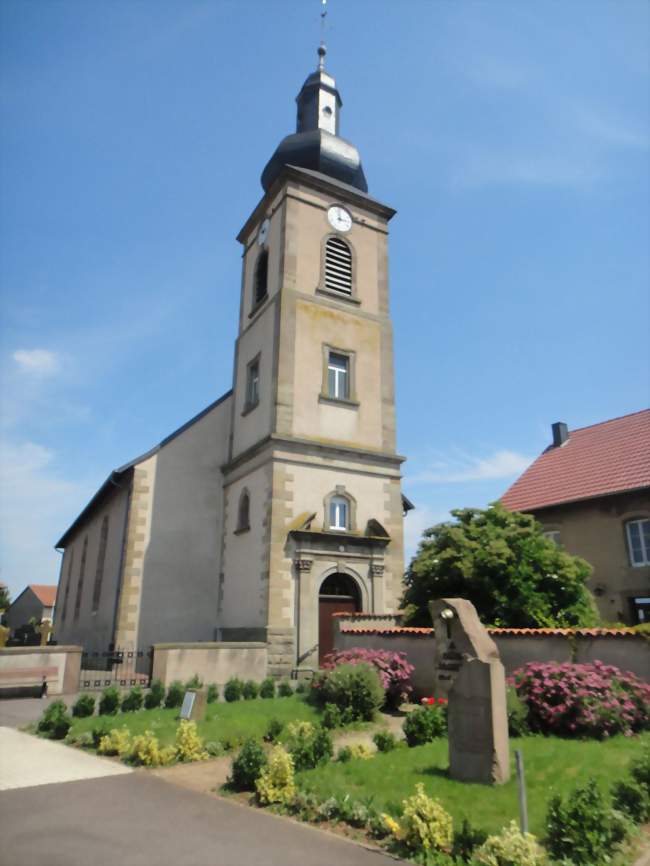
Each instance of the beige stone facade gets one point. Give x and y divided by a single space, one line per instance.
596 530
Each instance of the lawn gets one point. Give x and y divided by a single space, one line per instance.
232 722
552 766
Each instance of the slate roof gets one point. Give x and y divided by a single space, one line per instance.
606 458
45 593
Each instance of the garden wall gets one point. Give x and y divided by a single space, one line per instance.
213 662
626 650
64 662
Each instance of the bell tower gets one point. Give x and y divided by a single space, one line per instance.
312 498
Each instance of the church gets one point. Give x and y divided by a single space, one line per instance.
280 503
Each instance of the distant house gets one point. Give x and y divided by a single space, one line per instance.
590 489
36 600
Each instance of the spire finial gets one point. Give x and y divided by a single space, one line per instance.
322 48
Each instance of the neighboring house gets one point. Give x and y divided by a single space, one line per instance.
282 500
590 490
35 601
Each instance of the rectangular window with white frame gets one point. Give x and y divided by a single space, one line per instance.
338 376
252 384
553 535
638 541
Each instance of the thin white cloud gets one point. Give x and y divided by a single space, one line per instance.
501 464
502 169
612 132
37 362
35 505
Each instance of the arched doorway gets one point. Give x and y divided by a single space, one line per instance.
339 593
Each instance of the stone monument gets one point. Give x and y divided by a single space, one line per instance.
470 674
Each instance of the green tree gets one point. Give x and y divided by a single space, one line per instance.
501 562
5 600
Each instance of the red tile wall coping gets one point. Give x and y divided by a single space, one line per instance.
505 632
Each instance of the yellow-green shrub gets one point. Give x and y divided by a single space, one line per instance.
116 742
146 750
510 848
276 783
189 746
424 825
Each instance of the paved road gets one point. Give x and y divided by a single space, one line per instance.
139 820
18 712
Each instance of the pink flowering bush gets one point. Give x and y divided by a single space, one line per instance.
393 669
590 700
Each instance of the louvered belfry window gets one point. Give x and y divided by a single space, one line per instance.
338 266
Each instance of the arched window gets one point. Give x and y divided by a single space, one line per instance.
340 511
338 266
243 512
261 277
342 586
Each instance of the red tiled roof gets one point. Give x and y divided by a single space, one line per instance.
599 460
45 593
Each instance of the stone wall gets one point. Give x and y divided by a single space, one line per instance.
213 662
625 650
66 660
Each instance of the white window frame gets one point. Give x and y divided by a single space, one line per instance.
553 535
645 545
339 515
252 395
341 389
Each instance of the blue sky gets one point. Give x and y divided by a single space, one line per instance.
511 137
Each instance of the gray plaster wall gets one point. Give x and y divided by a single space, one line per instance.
628 654
26 606
180 580
93 630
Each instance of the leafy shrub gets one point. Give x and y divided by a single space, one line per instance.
517 713
84 739
194 683
467 840
116 742
592 700
385 741
424 724
511 847
632 800
267 688
273 730
284 689
584 830
393 669
424 825
213 693
308 745
146 751
154 696
214 748
354 751
355 688
132 701
103 729
232 691
640 770
55 721
250 690
189 746
247 766
175 695
109 701
302 688
84 706
332 716
276 782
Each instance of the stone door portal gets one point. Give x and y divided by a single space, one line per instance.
339 593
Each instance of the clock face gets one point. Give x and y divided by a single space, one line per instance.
263 233
339 218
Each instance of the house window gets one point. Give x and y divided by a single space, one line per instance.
338 376
261 277
338 266
80 585
66 595
638 541
243 512
252 385
554 536
339 513
101 557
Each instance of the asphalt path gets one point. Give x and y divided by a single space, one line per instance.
139 820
